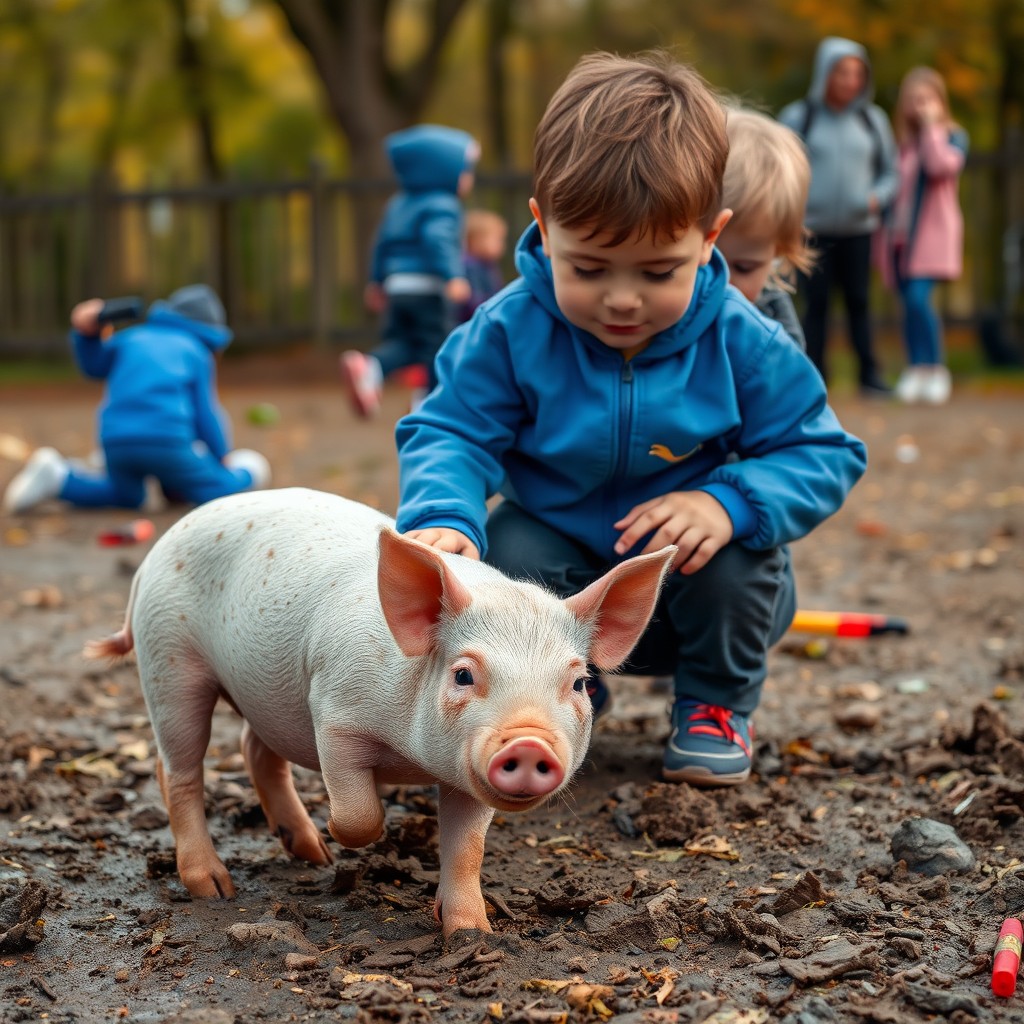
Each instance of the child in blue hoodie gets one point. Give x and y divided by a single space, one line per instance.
621 397
160 416
416 271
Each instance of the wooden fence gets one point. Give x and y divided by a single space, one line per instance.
289 258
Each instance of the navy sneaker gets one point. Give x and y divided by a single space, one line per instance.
709 745
600 696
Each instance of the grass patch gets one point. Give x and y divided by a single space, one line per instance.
37 371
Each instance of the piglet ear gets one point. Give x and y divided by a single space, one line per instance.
620 604
415 586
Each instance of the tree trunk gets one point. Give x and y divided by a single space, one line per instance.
366 95
499 27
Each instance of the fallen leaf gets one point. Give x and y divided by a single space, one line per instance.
349 978
90 764
802 749
712 846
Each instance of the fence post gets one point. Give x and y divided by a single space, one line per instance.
97 274
320 255
8 270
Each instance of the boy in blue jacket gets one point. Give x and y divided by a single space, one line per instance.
160 416
621 396
416 271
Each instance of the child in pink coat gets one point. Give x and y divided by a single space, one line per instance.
921 241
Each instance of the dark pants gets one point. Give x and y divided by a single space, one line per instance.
415 326
711 630
846 263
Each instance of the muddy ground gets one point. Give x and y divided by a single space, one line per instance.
630 899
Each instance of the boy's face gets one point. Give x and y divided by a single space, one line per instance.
625 294
750 253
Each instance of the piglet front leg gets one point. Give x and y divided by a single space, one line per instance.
347 762
463 822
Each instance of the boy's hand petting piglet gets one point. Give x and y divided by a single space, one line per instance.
445 539
694 521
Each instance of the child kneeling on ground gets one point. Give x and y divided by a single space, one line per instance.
605 393
160 415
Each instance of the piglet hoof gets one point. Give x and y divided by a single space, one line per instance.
209 884
307 845
455 921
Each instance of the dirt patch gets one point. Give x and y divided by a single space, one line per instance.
631 899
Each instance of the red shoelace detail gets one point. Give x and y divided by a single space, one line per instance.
722 717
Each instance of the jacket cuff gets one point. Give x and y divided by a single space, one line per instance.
740 511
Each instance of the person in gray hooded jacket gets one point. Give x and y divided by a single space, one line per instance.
854 178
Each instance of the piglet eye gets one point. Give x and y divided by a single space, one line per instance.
580 684
463 677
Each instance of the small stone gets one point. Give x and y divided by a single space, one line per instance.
931 847
857 716
869 690
299 962
912 686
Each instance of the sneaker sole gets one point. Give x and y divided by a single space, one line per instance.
696 775
349 367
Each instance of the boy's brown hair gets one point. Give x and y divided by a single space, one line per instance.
631 145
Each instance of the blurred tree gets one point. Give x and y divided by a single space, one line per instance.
369 92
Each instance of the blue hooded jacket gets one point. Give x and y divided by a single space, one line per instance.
541 411
161 381
421 230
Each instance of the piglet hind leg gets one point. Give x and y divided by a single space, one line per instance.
201 871
182 729
463 822
288 819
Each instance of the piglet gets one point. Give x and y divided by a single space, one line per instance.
352 650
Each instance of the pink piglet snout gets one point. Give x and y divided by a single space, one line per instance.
525 767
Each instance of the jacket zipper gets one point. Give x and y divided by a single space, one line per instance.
626 405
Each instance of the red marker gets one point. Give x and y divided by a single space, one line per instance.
135 532
1007 959
847 623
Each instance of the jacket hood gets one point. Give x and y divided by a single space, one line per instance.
833 49
430 157
214 336
705 304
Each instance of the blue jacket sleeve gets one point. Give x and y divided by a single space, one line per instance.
797 463
442 242
211 421
450 451
93 357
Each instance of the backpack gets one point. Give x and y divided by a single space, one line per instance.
877 146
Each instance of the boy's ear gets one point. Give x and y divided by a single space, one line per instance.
711 235
535 210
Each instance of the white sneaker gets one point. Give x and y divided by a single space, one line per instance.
937 386
41 479
254 462
910 386
364 378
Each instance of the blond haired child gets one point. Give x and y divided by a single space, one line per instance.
605 392
767 177
484 248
